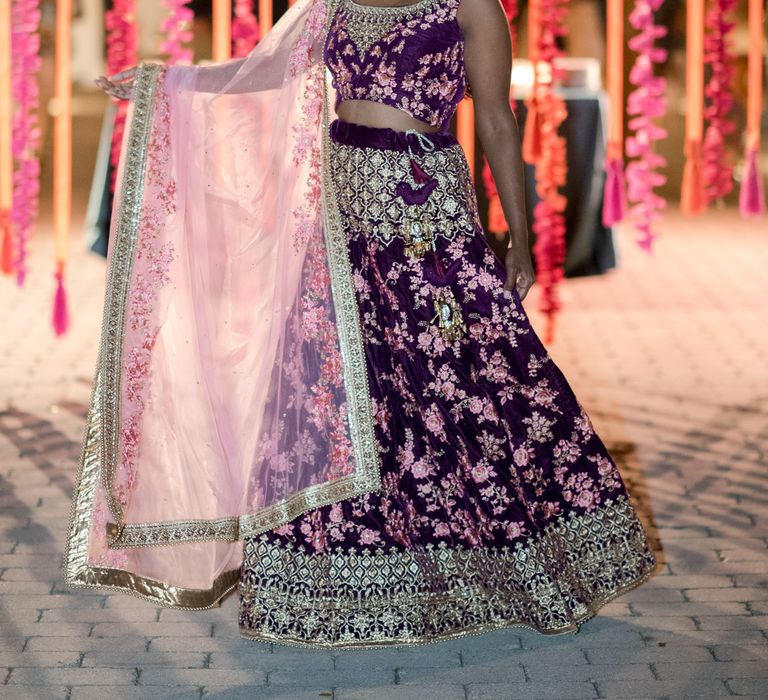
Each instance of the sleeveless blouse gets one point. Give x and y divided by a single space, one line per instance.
410 57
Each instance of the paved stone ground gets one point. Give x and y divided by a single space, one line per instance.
668 354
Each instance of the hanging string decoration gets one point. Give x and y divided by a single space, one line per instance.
62 159
177 27
497 224
692 196
614 194
245 29
6 135
122 53
646 105
718 166
25 67
551 166
751 195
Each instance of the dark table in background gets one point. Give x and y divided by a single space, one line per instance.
589 246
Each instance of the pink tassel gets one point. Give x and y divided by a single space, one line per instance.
60 312
751 195
419 175
614 196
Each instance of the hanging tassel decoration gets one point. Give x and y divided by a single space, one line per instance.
60 310
751 196
614 196
6 135
62 158
6 251
693 198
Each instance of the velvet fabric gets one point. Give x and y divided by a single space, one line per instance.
484 447
414 64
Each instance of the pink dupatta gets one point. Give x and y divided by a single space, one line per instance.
231 389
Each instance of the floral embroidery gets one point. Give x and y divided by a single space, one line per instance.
365 52
150 274
481 439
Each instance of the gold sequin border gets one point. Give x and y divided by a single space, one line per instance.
148 77
367 475
363 598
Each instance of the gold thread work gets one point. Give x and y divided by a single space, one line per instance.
552 583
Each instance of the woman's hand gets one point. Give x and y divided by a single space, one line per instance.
120 85
519 269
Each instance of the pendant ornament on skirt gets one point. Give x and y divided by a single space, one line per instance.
418 236
450 322
425 183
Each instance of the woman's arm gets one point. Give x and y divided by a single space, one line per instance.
488 62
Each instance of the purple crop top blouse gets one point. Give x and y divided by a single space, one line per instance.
411 57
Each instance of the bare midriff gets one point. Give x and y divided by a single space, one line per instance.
369 113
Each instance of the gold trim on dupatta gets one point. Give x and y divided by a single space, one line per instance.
100 450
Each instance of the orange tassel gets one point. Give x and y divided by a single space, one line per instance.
693 197
532 133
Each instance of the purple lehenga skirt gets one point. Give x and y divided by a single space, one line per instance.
499 506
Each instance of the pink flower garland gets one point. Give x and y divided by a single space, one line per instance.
718 165
646 104
245 29
551 169
122 53
178 30
25 65
496 221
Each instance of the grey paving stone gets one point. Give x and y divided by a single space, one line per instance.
506 671
419 657
648 654
208 644
252 693
427 692
71 676
681 687
243 658
327 679
720 669
590 672
740 652
530 691
749 686
48 629
86 644
109 658
136 693
200 677
19 692
152 629
48 659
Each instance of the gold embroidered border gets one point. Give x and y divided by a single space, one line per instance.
76 569
121 263
551 583
365 179
367 475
